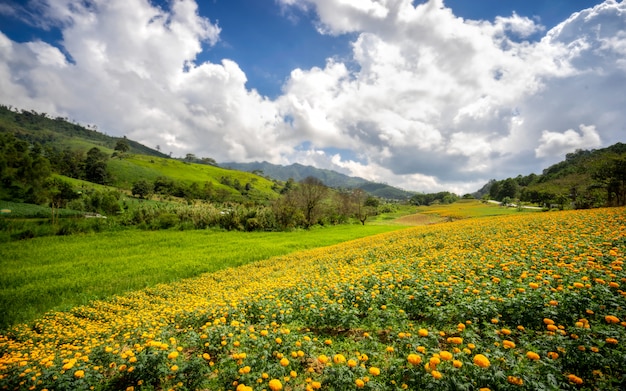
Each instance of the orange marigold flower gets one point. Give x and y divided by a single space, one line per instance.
532 356
422 332
359 383
436 374
611 319
414 359
455 340
457 364
275 385
515 380
508 344
445 355
481 361
322 358
553 355
548 321
612 341
574 379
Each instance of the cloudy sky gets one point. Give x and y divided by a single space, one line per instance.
424 95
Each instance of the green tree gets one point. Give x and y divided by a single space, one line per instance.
96 166
142 188
310 193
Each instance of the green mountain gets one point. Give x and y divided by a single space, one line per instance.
330 178
585 179
74 151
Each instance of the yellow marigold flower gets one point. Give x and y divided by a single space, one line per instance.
611 319
445 355
322 358
339 359
174 368
436 374
484 389
533 285
279 340
374 371
79 374
434 361
455 340
414 359
421 349
422 332
508 344
316 385
352 363
206 356
481 361
284 362
532 356
359 383
173 355
328 342
389 349
457 364
461 326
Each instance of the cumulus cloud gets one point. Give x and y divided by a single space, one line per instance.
432 94
558 144
425 100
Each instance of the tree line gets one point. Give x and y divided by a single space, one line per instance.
585 179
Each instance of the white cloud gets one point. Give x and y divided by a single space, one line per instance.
558 144
427 101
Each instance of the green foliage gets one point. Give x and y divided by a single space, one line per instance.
585 179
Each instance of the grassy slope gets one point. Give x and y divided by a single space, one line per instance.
133 167
56 273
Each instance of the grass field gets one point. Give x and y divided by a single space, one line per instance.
470 208
56 273
526 301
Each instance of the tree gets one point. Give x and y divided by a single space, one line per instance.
122 145
309 193
142 188
359 200
59 193
96 166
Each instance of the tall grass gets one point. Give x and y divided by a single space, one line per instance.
57 273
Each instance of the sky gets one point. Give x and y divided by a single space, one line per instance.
423 95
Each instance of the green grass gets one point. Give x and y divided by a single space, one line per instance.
57 273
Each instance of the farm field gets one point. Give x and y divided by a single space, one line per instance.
59 272
527 301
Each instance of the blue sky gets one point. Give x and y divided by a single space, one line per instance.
425 95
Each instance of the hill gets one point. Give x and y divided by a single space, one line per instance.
585 179
61 133
72 149
330 178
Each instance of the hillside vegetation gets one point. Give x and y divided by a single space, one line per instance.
585 179
52 162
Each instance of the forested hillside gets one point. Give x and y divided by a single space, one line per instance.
585 179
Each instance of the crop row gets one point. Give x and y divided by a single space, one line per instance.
530 301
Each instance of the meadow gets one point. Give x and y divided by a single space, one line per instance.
525 301
60 272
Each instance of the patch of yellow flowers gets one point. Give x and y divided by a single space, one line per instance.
410 309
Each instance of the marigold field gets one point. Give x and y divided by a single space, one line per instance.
528 301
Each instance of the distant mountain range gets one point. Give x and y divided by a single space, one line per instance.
330 178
